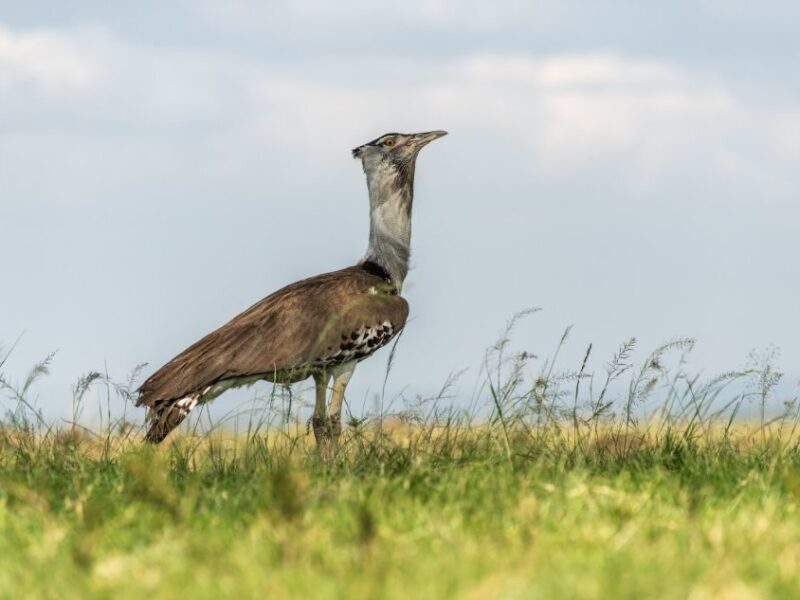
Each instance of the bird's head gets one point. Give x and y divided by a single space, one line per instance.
394 153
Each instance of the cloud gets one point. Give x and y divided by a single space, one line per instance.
639 122
49 60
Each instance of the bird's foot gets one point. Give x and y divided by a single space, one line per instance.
323 437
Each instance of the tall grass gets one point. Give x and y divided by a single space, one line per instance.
523 408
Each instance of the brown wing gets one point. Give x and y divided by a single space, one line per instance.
295 328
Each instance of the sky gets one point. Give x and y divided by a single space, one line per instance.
631 169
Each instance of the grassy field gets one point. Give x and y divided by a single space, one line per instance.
642 481
414 515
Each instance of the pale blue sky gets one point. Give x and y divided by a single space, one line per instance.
631 169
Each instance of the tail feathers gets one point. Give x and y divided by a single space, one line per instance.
166 416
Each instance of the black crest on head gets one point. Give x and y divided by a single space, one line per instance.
375 143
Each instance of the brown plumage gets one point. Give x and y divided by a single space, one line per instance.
301 330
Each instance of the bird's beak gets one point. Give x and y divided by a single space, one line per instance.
421 139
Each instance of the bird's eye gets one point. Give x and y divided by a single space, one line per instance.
389 143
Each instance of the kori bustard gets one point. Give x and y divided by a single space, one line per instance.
319 327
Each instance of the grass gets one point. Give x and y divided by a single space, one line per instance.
642 481
399 517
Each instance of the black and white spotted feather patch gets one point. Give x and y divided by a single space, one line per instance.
359 344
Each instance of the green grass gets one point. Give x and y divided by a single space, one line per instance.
638 481
403 516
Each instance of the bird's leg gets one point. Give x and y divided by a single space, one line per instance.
318 421
335 415
341 377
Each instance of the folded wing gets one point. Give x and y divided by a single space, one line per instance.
306 326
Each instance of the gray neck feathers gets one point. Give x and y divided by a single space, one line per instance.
391 193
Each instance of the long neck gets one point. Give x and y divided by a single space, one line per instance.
391 194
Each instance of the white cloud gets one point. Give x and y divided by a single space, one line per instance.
640 121
570 70
48 59
643 122
786 133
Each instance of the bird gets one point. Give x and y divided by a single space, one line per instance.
320 327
